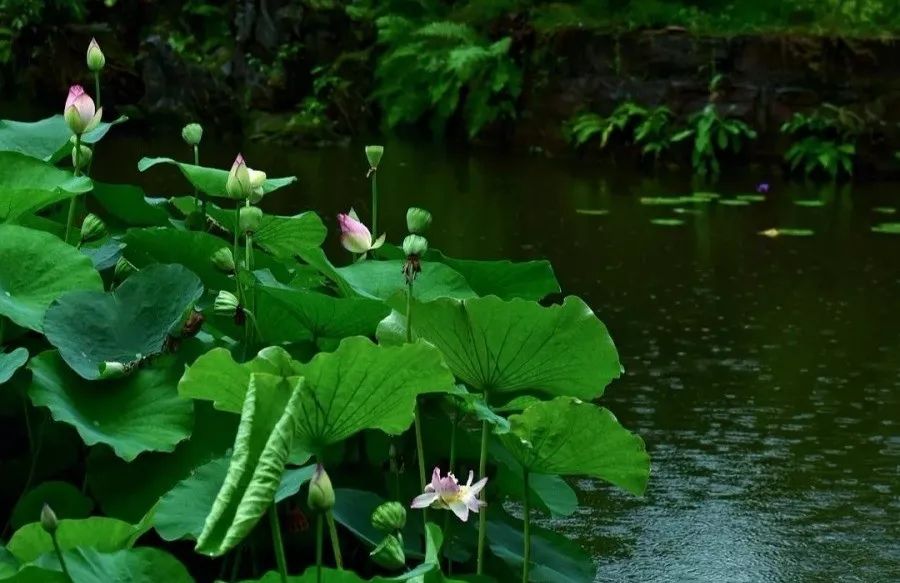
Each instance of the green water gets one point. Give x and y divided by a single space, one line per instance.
762 373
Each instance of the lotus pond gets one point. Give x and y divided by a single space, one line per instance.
196 392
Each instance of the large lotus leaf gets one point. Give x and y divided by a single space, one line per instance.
182 512
141 565
33 574
192 249
554 558
126 325
290 315
66 500
46 139
210 181
316 258
35 269
383 279
129 490
546 492
10 362
104 255
8 563
261 450
216 376
28 185
139 413
517 345
572 438
363 385
529 280
128 205
99 532
281 236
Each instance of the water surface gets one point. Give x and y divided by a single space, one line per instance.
762 373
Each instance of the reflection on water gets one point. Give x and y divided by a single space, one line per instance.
762 373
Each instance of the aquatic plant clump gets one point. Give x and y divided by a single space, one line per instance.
202 369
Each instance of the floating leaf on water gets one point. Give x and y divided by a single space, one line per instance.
699 197
734 202
751 197
684 211
885 210
667 222
592 212
787 232
887 228
811 202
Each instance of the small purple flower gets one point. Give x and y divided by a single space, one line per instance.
447 494
762 188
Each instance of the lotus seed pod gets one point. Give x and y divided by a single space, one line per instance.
415 245
249 219
81 157
95 58
389 553
374 154
226 304
48 519
389 517
321 494
223 259
92 228
192 133
417 220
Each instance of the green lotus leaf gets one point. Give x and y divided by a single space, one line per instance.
35 269
132 323
353 510
554 558
129 490
547 492
216 376
261 450
887 228
99 532
66 500
363 385
33 574
46 139
290 315
529 280
8 564
192 249
508 346
12 361
383 279
182 512
571 438
210 181
141 565
281 236
128 205
27 185
139 413
104 255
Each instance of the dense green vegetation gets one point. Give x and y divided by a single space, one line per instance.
191 390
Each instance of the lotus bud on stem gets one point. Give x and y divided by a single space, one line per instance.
95 63
373 155
417 220
321 500
389 517
92 228
81 157
50 525
123 269
192 134
223 260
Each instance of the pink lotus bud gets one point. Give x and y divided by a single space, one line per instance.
355 236
238 184
79 112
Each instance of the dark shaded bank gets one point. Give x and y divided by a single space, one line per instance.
305 73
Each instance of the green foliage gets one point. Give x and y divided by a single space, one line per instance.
437 68
652 129
825 140
713 135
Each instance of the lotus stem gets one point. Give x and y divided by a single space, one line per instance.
319 533
374 205
335 542
277 543
482 516
73 201
97 87
526 529
197 194
237 222
420 450
62 560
